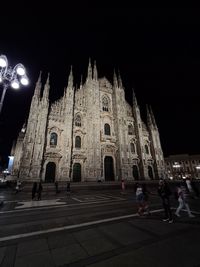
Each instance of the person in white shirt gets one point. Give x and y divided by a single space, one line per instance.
183 201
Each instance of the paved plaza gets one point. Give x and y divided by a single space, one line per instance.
100 228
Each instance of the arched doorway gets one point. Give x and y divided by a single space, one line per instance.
135 172
77 172
150 172
50 172
108 169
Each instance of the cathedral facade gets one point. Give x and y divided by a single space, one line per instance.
90 133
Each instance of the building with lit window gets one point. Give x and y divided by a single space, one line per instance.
182 166
90 133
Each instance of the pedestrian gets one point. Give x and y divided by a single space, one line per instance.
146 198
34 190
164 193
68 188
56 186
183 201
40 188
17 188
123 186
139 199
195 188
189 187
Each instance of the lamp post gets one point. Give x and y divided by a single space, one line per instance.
11 77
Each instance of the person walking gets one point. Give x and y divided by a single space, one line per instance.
164 193
17 188
183 201
146 199
123 186
68 189
40 188
34 190
139 199
56 186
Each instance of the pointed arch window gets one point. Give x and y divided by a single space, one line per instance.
78 120
130 129
146 149
133 148
53 139
105 104
107 129
78 142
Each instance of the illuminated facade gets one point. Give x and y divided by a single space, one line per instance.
182 166
90 133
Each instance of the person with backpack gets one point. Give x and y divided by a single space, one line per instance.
183 201
139 198
164 193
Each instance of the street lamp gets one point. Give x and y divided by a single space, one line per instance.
11 77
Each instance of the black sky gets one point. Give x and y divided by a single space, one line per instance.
156 50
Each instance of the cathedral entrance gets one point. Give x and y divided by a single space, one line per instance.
150 172
50 172
135 172
108 169
77 172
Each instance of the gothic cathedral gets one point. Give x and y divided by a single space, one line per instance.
89 134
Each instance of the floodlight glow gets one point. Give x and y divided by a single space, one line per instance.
3 62
15 84
24 81
20 70
198 167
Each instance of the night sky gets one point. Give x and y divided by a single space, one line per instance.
157 52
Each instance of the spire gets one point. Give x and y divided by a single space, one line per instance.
81 82
134 98
89 74
23 129
38 86
95 74
120 80
152 117
115 82
46 89
70 79
149 119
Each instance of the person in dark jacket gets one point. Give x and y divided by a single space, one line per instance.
40 188
164 193
68 189
34 190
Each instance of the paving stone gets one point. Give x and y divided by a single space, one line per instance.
180 251
158 227
97 246
32 246
2 254
9 257
69 254
35 260
86 234
124 233
60 240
